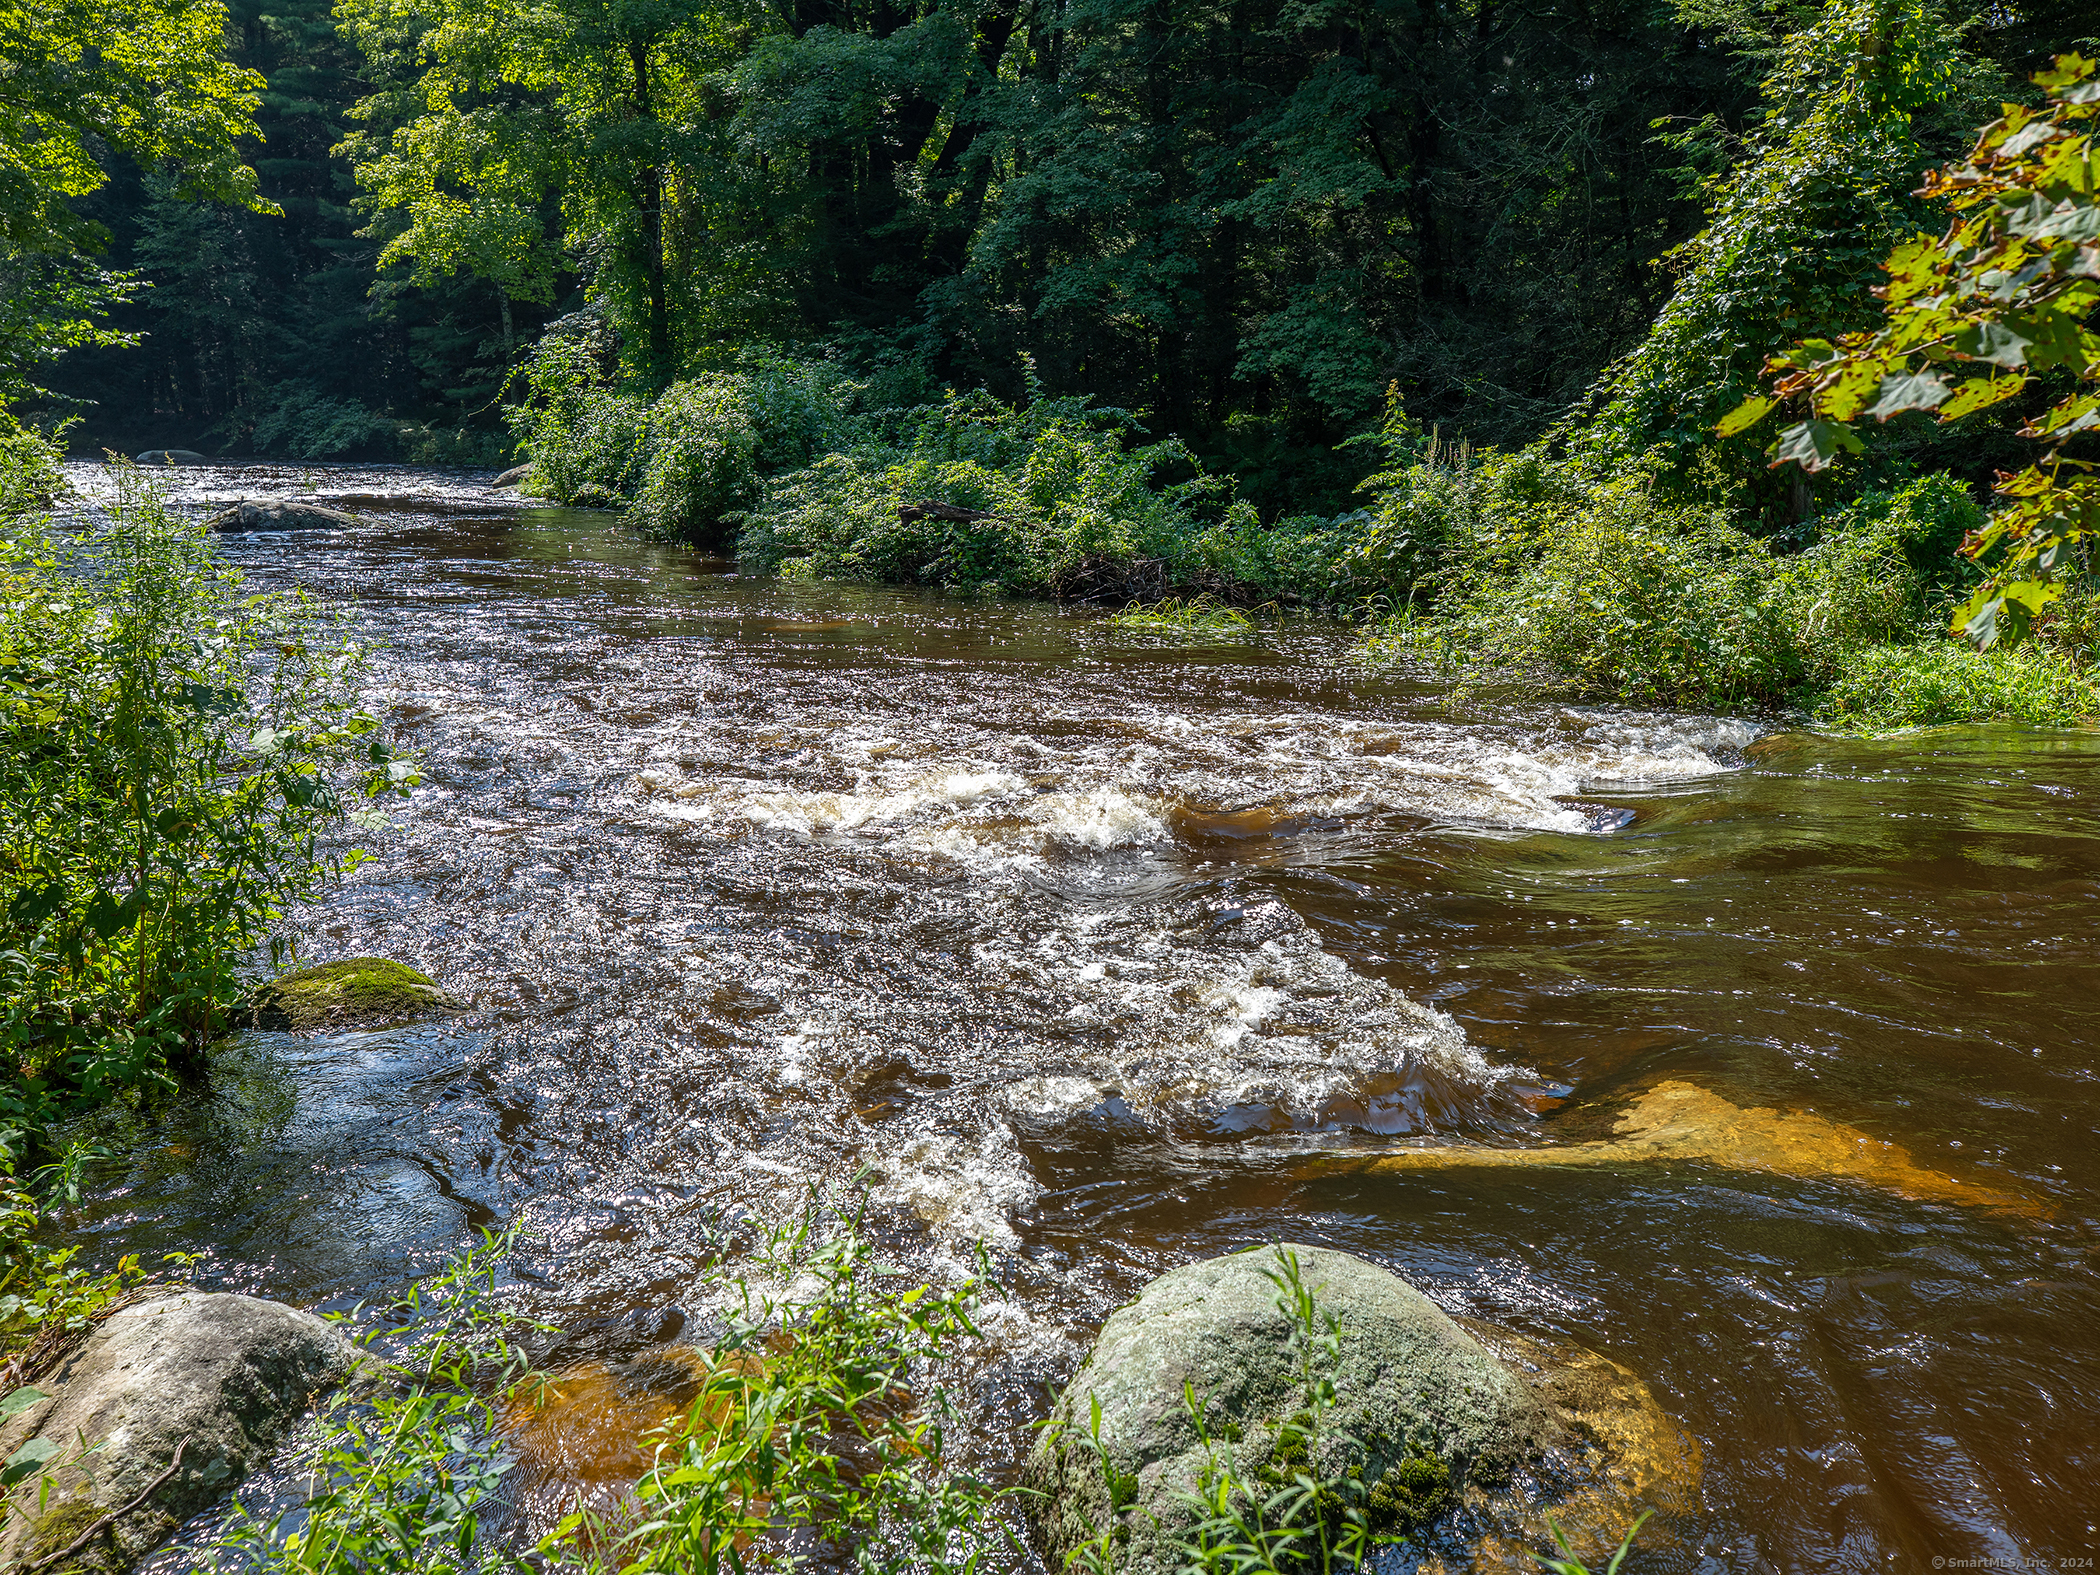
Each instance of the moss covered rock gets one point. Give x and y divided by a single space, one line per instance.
344 994
1453 1439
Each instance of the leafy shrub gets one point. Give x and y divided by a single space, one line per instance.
686 464
588 443
171 752
1606 590
699 460
402 1469
44 1295
1942 680
813 1418
1025 495
307 424
29 473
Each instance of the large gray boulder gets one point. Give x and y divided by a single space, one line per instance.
1420 1410
279 515
1457 1440
219 1376
516 476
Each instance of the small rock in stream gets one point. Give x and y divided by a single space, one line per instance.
220 1376
277 514
516 476
1455 1440
347 994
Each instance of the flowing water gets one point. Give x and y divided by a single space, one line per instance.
1111 951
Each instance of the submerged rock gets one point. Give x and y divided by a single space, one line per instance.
1682 1121
276 514
172 456
345 994
1448 1443
178 1397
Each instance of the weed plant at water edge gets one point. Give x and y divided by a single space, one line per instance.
172 750
816 1427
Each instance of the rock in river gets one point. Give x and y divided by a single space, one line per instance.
172 456
1678 1121
516 476
346 994
1449 1442
276 514
217 1377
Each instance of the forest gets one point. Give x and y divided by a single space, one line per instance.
1323 307
1707 376
1244 225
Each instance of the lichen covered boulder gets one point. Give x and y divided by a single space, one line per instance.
1453 1440
354 992
217 1377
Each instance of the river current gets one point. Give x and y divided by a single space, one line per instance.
1107 951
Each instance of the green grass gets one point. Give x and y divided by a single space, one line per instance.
1884 687
1197 617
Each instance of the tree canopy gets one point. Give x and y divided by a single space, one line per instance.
144 79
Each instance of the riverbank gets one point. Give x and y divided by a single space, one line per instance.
1593 580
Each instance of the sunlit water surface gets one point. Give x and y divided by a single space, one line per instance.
1082 944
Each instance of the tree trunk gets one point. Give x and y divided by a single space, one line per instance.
650 199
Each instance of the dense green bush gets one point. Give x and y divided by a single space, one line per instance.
304 423
1942 680
686 464
29 473
1029 494
172 750
1602 588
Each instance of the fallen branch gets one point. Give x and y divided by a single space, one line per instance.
954 513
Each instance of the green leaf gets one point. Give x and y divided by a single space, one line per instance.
1978 393
28 1460
21 1400
214 701
1902 391
1813 444
2071 223
1997 343
32 908
105 915
1745 416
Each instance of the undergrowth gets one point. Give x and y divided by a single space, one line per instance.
1507 568
816 1427
172 751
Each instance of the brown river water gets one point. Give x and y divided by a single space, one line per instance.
1105 951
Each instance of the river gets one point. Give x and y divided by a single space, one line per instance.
1099 948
